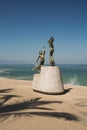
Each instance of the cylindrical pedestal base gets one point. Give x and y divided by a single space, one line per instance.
49 80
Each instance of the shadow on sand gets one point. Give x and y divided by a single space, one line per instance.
17 109
5 97
67 90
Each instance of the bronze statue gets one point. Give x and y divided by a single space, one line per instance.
41 59
51 60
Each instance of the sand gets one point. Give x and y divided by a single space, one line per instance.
23 109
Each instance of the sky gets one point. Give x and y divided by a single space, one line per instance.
27 25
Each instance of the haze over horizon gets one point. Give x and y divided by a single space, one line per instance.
26 26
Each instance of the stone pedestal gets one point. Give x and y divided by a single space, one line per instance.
49 80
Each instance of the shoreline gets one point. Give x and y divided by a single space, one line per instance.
22 108
68 84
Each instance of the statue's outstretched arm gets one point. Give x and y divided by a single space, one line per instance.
37 59
44 50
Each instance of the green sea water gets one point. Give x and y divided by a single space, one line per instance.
71 74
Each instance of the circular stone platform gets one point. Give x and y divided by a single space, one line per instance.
49 80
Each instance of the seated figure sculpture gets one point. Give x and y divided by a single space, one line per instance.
51 59
41 59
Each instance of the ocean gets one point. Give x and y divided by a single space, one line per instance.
71 74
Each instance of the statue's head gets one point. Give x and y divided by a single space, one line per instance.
51 39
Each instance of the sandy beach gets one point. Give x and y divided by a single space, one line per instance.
23 109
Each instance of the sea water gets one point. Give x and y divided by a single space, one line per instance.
71 74
74 74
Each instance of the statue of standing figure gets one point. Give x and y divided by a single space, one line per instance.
51 59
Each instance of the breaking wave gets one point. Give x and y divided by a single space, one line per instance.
73 81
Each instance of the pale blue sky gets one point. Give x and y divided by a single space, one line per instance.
26 25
